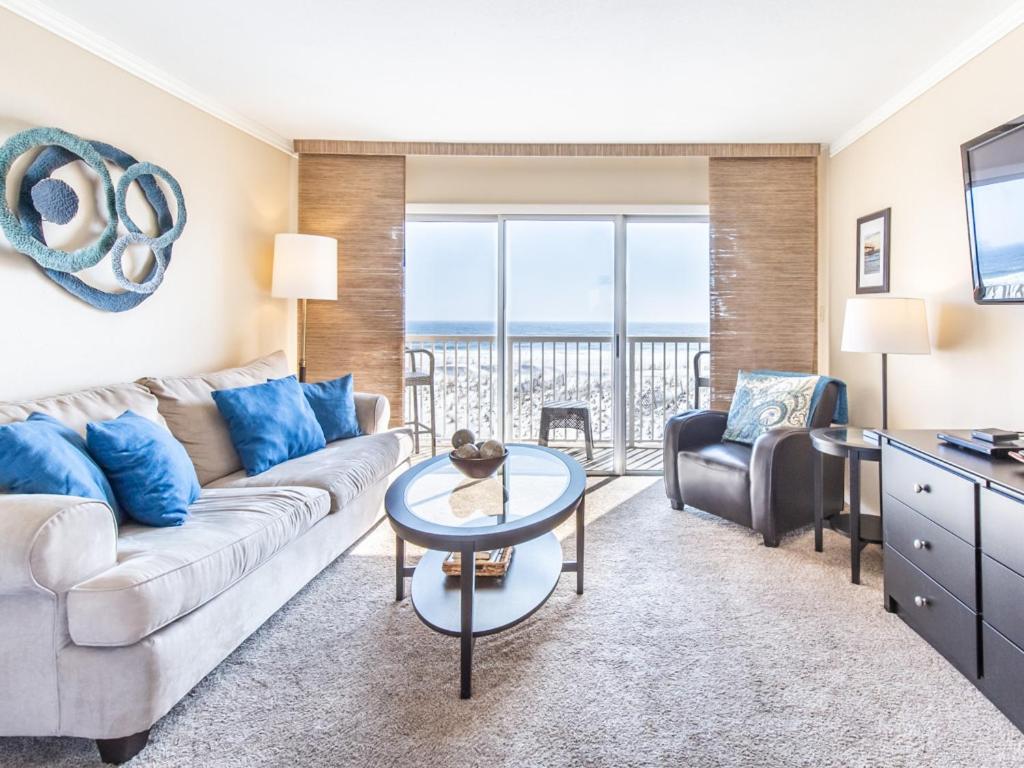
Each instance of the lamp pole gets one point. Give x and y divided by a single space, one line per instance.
885 391
302 352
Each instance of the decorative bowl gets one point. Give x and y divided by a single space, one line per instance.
478 469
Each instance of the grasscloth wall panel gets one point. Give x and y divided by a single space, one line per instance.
764 268
361 202
335 147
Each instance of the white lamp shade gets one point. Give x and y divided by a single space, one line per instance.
305 267
893 326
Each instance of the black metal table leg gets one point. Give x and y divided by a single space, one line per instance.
580 510
855 542
467 581
399 568
819 499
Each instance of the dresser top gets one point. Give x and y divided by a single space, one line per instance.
1005 472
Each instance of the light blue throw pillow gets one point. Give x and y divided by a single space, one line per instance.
765 401
42 455
149 470
334 404
269 423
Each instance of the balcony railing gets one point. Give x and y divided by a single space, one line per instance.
659 378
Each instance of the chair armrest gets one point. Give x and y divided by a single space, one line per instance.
373 412
686 431
782 481
52 543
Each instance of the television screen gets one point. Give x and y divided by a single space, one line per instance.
994 187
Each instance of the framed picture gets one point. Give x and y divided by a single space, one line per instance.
873 252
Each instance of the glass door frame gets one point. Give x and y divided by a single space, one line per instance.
620 414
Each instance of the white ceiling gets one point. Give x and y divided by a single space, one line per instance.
538 70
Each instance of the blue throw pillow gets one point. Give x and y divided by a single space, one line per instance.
334 403
269 423
149 470
42 455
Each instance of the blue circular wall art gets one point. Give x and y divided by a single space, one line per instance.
42 197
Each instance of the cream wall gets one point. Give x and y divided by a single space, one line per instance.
912 163
214 308
544 180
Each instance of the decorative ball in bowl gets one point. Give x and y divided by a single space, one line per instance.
476 459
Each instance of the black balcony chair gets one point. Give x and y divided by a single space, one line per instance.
768 486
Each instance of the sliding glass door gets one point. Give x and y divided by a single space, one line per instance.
559 309
667 325
520 311
451 312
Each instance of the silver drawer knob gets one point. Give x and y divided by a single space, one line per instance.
920 544
919 488
920 602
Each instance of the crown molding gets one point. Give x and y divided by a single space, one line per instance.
984 38
67 28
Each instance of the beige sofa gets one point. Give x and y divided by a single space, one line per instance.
103 629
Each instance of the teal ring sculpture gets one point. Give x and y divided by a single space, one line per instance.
156 275
46 257
149 169
46 163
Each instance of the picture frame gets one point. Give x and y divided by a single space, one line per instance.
872 263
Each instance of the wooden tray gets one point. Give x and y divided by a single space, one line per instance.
491 563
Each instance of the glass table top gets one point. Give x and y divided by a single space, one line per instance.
530 480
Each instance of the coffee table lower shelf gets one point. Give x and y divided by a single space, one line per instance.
499 603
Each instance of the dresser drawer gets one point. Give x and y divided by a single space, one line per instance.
936 493
1002 529
1003 680
945 558
946 623
1002 599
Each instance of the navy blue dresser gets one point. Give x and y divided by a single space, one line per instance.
954 558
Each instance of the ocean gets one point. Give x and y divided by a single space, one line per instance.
550 328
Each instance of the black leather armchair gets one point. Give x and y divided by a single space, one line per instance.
768 486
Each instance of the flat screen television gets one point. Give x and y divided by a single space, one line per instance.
994 190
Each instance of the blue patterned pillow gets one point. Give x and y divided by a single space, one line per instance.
764 401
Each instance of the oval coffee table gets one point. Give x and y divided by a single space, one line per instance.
434 506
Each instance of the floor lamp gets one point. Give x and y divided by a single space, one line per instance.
886 325
305 267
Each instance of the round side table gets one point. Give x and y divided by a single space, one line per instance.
847 443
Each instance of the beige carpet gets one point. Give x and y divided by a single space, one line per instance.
693 646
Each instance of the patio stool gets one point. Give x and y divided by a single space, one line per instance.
566 414
421 378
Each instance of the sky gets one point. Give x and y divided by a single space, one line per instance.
558 271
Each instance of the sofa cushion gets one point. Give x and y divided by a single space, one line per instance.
345 468
77 409
164 573
187 405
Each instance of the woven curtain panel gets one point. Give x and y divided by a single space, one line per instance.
764 268
361 202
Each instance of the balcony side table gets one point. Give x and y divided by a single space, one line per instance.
847 443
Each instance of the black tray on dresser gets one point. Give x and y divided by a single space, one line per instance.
954 558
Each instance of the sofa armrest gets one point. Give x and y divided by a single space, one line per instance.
373 412
685 431
782 482
53 543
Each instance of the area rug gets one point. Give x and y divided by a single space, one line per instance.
693 645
